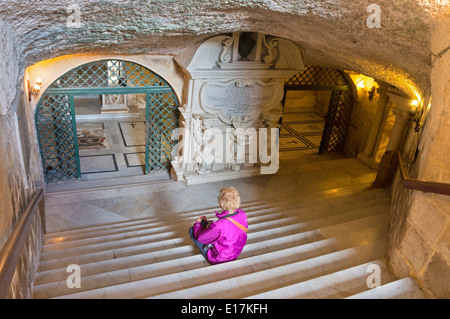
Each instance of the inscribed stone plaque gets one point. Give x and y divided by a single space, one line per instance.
240 98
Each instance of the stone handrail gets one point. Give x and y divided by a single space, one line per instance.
12 250
421 185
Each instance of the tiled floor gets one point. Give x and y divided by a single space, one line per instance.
119 159
122 152
301 128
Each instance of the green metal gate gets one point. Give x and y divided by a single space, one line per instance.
339 113
55 120
55 115
161 119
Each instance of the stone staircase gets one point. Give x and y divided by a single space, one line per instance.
320 246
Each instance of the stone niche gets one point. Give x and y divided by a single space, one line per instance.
233 82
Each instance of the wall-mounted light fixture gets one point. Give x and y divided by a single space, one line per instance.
35 89
372 92
360 84
415 114
366 85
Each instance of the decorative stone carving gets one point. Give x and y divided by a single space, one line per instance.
240 97
243 122
204 153
116 103
225 56
269 46
239 135
235 83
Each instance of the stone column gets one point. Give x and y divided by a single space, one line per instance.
388 162
367 155
402 106
183 158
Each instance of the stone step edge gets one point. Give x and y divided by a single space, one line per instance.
259 216
53 254
338 278
368 224
401 288
296 250
140 221
368 221
312 262
130 287
308 197
287 247
116 227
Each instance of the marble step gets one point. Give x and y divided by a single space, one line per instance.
275 277
343 195
405 288
253 209
161 252
112 250
336 285
235 279
154 256
350 221
95 263
68 234
147 265
271 228
94 229
257 220
58 240
112 187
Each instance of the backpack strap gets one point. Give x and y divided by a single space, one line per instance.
229 215
237 224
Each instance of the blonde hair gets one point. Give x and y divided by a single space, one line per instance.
229 199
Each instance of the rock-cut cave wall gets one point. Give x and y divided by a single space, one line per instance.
340 34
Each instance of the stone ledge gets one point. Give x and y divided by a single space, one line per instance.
223 175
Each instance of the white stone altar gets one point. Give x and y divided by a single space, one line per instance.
114 103
235 88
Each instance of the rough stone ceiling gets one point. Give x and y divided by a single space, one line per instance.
332 33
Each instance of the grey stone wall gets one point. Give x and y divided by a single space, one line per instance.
332 33
15 192
17 184
420 225
10 72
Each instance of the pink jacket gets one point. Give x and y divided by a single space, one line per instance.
227 238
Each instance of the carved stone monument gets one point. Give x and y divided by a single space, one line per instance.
236 81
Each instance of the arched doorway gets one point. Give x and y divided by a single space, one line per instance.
335 89
112 80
